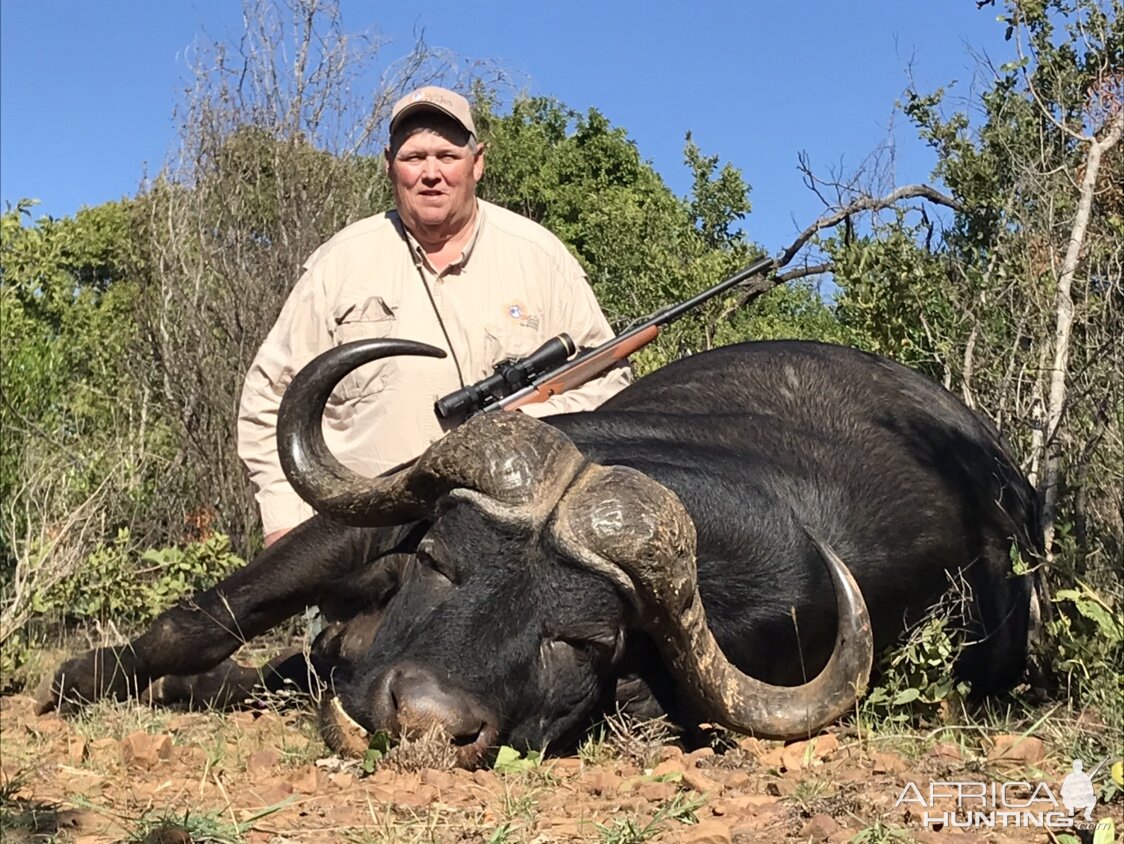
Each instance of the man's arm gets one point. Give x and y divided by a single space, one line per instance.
299 334
270 538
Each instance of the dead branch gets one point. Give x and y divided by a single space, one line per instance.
764 284
805 271
866 203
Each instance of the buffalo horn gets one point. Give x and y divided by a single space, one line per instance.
529 472
629 520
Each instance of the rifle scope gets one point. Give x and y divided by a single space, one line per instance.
509 376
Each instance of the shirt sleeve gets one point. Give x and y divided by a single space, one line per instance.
298 335
575 311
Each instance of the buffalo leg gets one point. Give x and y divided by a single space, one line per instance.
231 685
999 623
200 632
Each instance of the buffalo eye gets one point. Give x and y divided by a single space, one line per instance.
598 644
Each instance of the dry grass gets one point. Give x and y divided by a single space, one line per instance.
430 749
638 741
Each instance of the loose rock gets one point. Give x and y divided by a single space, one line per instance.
1026 750
706 832
262 760
693 778
142 750
820 827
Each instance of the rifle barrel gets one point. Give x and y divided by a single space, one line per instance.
584 363
675 311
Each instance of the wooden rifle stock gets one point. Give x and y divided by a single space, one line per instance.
582 369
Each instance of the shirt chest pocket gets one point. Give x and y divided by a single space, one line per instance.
507 343
374 317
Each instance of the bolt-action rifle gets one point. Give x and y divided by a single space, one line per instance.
554 367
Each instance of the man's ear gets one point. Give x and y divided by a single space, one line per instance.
389 156
478 165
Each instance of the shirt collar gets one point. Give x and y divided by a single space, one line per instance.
418 251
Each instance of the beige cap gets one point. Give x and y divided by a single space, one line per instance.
436 99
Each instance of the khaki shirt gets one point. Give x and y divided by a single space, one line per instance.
514 287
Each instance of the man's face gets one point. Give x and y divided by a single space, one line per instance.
434 174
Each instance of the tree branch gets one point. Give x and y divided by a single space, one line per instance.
1056 401
760 285
866 203
803 272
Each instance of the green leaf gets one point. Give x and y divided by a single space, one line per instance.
380 741
509 760
1105 833
371 758
906 696
377 747
1091 607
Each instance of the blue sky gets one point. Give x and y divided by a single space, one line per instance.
87 89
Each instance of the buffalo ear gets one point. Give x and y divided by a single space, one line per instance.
341 644
376 575
354 609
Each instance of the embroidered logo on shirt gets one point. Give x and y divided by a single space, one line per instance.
518 312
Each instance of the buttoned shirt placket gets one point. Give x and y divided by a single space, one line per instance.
434 281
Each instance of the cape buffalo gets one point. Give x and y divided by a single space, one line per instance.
693 546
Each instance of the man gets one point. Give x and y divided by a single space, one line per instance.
444 268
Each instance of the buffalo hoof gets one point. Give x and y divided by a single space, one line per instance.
96 674
342 733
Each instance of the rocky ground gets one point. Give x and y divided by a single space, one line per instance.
129 773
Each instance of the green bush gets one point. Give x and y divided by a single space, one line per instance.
915 680
119 586
131 589
1085 640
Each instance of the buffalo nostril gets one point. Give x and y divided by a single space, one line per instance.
384 702
410 699
470 737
